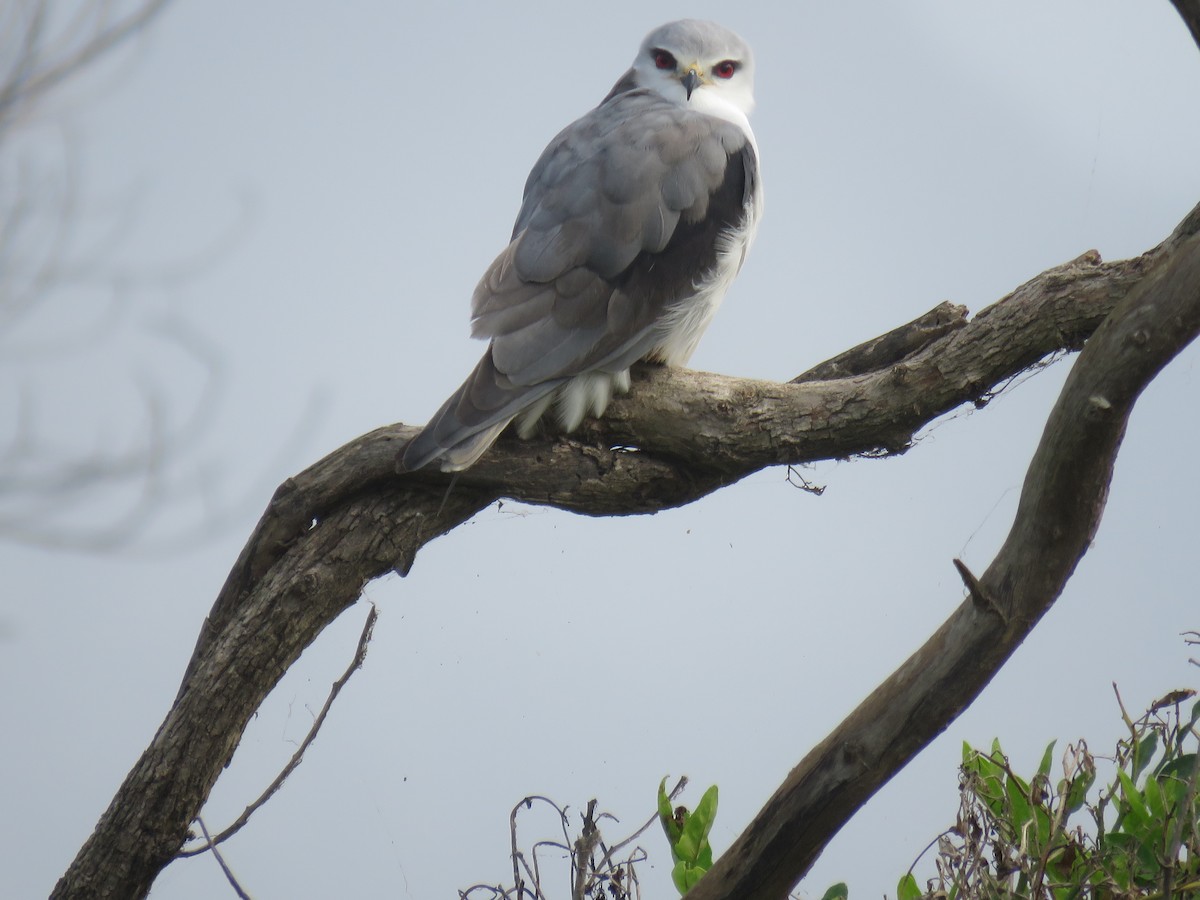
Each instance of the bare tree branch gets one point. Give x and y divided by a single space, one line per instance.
1190 11
698 431
229 876
1060 509
360 656
351 518
57 490
45 61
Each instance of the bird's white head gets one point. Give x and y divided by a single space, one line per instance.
698 64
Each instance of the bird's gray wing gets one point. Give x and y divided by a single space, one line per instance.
620 219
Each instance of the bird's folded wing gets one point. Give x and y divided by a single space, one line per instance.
620 220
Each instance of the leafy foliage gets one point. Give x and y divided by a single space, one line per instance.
1061 840
687 833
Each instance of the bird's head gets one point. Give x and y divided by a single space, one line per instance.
699 64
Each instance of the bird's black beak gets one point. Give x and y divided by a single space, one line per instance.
691 81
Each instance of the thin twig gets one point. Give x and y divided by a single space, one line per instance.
518 858
496 891
582 854
211 845
675 792
982 600
22 91
360 655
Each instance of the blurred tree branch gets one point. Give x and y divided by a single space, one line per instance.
49 49
65 302
350 518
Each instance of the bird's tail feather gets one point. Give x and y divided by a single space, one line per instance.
466 452
470 421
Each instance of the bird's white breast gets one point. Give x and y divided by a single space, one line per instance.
712 103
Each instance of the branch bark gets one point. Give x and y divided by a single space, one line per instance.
1189 11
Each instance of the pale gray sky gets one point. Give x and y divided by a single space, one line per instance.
357 171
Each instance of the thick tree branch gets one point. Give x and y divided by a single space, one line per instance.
1060 508
351 518
1190 11
698 431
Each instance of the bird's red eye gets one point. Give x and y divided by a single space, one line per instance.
725 69
663 59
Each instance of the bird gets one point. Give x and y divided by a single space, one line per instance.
634 222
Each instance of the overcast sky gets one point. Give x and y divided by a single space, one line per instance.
299 198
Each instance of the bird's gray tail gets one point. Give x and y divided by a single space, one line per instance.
470 421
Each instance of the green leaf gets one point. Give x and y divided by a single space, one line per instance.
1149 870
693 840
685 877
679 876
1022 784
1173 779
1047 760
692 876
1043 827
664 802
1133 797
1118 848
988 782
687 848
1080 785
1018 798
1116 843
908 889
1154 800
706 809
1134 805
666 815
1180 767
700 820
837 891
1194 717
1145 751
689 843
976 760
